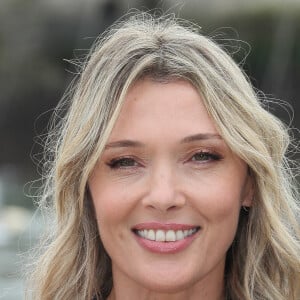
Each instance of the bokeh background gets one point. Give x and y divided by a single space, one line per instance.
37 37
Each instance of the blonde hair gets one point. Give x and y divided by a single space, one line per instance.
264 259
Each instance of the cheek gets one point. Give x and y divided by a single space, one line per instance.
108 213
219 203
220 199
225 204
111 204
221 213
223 221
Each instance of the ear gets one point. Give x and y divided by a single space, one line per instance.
248 191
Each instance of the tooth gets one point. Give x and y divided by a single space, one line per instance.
170 236
145 233
165 236
179 235
160 236
151 235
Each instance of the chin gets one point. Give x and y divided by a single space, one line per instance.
168 285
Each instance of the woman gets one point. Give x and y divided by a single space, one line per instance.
168 179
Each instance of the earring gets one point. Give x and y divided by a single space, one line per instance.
245 208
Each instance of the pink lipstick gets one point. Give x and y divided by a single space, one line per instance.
165 237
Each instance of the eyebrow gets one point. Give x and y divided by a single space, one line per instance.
124 144
188 139
199 137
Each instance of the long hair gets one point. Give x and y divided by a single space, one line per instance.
264 259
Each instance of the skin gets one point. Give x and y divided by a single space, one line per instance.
175 169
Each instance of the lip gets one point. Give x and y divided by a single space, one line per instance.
165 247
163 226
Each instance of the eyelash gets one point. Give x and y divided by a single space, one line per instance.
129 162
209 156
116 163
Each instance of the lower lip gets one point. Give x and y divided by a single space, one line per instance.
166 247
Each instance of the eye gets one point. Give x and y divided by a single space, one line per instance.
124 162
205 156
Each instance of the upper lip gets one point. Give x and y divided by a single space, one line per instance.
164 226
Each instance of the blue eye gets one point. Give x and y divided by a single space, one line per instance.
124 162
205 156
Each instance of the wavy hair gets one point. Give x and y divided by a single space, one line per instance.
264 259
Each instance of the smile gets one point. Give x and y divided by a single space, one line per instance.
165 235
165 238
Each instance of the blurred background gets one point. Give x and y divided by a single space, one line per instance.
36 36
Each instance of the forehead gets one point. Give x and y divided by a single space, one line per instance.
167 108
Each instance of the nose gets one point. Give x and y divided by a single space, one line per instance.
163 191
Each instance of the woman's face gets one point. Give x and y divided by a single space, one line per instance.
167 191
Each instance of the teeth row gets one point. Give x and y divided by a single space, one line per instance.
165 236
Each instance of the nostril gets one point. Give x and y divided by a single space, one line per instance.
172 207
